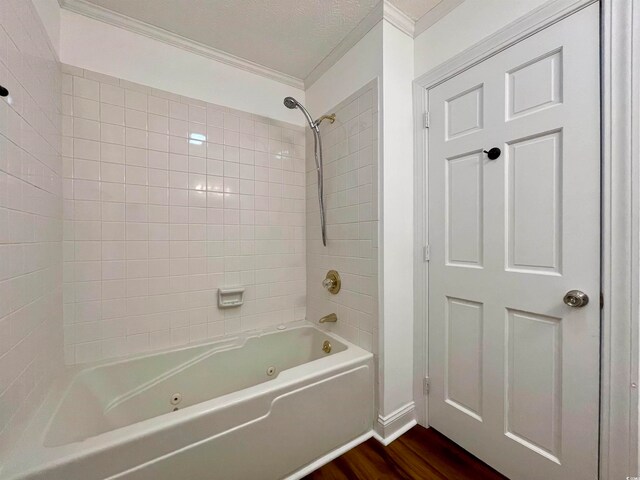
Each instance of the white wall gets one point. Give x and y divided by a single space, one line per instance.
386 53
49 13
464 26
104 48
361 64
397 220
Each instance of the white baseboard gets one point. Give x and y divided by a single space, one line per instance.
303 472
389 427
387 440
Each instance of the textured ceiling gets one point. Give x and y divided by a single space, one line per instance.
415 9
291 36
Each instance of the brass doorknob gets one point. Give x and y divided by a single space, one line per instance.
576 298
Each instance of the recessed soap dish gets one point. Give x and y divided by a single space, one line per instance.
230 297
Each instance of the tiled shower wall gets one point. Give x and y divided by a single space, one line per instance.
168 198
30 217
351 188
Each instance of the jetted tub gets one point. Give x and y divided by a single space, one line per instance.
261 406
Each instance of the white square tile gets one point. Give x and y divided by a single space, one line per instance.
178 111
84 108
112 153
158 123
111 172
135 119
86 129
135 100
84 88
86 149
158 106
112 94
112 134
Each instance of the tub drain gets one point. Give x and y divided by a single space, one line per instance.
271 371
175 399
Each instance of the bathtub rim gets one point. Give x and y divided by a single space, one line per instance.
31 445
226 341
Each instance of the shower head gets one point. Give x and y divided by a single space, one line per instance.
290 102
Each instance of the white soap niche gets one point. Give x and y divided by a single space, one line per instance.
230 297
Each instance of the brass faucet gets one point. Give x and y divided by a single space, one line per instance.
331 318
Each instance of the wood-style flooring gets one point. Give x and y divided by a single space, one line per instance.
419 454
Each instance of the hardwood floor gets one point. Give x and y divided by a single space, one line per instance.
419 454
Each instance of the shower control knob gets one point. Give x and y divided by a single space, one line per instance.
332 282
576 298
328 283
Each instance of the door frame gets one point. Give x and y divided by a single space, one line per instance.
620 214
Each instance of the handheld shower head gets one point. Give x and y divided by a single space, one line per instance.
290 102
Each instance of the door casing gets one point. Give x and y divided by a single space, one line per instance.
620 262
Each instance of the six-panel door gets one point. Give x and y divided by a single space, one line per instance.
514 371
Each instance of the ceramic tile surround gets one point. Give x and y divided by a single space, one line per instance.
30 218
351 188
166 199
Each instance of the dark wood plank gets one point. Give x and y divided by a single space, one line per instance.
419 454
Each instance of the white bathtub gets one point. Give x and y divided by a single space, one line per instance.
116 420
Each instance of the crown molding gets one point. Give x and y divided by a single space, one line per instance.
83 7
397 18
384 10
435 14
406 24
353 37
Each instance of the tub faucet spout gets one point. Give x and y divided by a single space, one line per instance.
331 318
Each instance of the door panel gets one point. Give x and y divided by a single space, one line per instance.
514 371
464 113
535 85
534 389
534 204
463 388
464 210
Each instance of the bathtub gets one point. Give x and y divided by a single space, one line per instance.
264 405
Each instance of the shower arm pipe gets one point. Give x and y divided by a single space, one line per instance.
331 118
315 124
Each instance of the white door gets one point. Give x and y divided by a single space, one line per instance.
514 370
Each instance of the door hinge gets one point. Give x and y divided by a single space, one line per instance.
427 120
425 385
601 300
426 253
